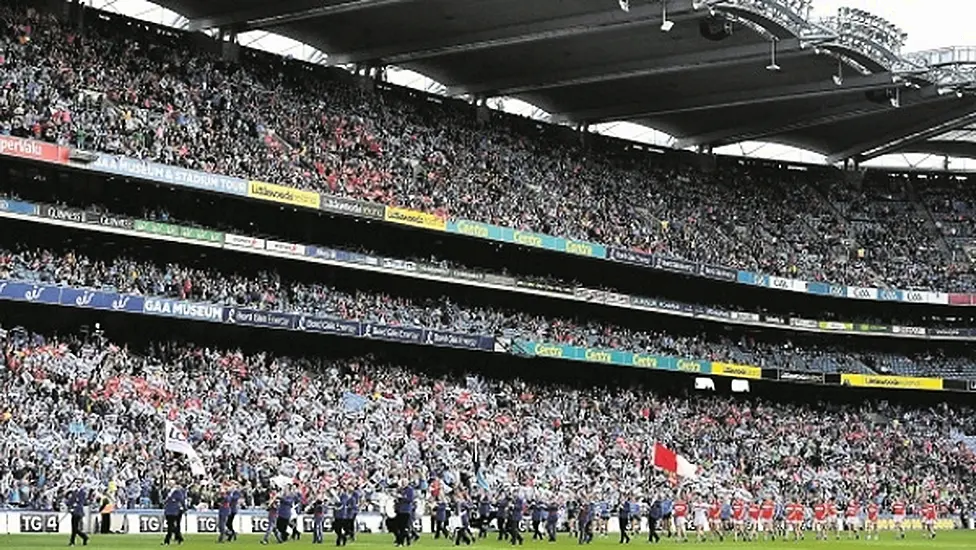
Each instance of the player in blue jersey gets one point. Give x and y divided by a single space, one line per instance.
272 527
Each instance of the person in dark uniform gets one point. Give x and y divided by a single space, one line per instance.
76 501
414 522
572 515
339 518
227 510
234 500
404 514
318 521
463 532
440 520
586 513
484 516
501 517
286 507
515 521
552 520
623 516
538 510
654 514
173 511
352 513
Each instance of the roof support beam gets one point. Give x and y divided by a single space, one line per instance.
272 14
721 57
724 100
605 19
774 127
956 118
778 126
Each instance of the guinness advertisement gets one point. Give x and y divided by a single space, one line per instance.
109 220
544 286
720 273
801 377
631 257
675 265
62 213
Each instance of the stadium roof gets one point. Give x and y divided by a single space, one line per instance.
726 71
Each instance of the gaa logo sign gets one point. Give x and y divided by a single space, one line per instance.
38 523
206 524
150 524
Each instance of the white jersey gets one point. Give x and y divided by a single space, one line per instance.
701 513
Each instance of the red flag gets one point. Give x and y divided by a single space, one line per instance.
665 458
672 462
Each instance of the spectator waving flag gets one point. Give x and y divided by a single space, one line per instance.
176 442
670 461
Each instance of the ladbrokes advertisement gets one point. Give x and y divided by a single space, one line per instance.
284 195
415 218
736 371
895 382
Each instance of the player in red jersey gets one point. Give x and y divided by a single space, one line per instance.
715 519
739 512
833 520
794 519
820 520
928 518
898 510
681 520
872 524
766 515
754 526
853 519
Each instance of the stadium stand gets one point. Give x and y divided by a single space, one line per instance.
78 403
142 93
252 416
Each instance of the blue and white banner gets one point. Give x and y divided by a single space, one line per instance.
183 309
79 297
28 292
862 293
18 207
396 334
151 171
456 340
256 318
325 325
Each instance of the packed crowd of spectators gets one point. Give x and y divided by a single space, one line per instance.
83 409
268 290
134 91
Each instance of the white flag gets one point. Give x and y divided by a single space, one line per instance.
178 444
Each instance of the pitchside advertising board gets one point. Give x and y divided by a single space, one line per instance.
149 522
152 522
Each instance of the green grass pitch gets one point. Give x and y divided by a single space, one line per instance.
914 540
